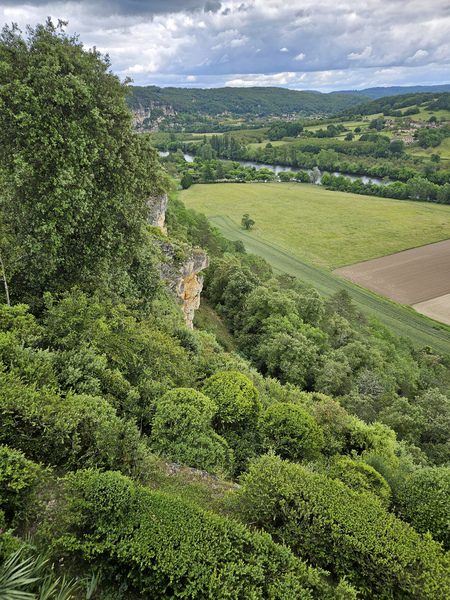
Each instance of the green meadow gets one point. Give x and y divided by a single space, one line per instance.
307 231
326 228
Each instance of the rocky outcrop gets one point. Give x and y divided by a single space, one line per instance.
158 207
141 114
182 265
181 271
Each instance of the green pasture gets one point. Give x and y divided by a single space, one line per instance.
424 115
443 150
325 228
277 214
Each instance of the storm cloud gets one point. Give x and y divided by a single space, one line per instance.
303 44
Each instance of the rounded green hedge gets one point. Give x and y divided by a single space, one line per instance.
291 432
182 431
361 477
424 501
236 397
166 548
348 533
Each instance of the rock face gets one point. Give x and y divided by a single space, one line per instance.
182 266
141 114
158 207
183 276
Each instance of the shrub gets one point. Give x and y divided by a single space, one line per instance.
182 431
361 477
236 397
166 548
332 419
342 531
291 432
424 501
19 479
71 431
237 415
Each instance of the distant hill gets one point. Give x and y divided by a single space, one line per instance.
395 90
393 105
256 101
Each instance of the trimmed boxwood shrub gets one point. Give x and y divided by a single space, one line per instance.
361 477
19 479
338 529
237 415
424 501
182 431
165 548
291 432
236 397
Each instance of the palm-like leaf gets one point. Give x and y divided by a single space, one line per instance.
15 576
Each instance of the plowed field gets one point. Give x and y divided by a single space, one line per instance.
419 277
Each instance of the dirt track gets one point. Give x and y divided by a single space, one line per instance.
410 277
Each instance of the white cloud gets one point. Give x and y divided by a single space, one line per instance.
417 56
363 55
165 42
255 79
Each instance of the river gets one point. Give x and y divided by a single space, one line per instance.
280 168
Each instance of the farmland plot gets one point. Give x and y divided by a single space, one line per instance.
419 277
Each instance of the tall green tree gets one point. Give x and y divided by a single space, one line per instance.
75 179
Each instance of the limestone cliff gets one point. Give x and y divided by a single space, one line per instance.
143 116
158 207
181 271
181 265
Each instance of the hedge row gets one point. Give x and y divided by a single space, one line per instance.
343 531
165 548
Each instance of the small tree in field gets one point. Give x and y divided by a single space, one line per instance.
246 222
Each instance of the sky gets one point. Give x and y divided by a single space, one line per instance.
323 45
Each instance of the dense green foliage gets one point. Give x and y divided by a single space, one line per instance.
359 476
424 501
291 432
165 548
74 177
395 102
182 430
19 479
258 101
237 417
343 531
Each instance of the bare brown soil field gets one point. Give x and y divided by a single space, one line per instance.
437 308
410 277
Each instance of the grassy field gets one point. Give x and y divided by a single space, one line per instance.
329 229
290 254
443 150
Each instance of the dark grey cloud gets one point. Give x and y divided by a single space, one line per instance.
212 6
125 7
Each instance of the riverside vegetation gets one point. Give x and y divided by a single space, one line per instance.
336 430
